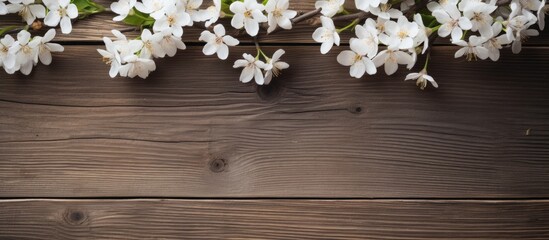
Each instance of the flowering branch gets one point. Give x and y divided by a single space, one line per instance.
304 17
388 33
351 17
22 53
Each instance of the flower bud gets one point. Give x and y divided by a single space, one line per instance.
37 25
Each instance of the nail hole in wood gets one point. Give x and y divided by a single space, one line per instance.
218 165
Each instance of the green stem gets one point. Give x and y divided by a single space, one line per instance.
355 22
427 60
257 48
434 29
5 30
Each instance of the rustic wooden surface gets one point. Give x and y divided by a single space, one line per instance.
273 219
191 153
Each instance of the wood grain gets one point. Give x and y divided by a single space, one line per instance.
273 219
95 27
192 130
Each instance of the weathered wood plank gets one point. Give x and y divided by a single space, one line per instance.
273 219
95 27
192 130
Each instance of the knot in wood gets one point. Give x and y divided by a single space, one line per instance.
217 165
75 217
356 108
270 92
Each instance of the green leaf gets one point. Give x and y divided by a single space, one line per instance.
87 7
429 20
139 19
225 6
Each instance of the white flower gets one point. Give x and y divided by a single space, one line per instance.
252 69
465 3
327 35
386 12
452 22
532 5
406 4
7 57
111 57
414 58
472 49
46 48
274 66
422 36
279 15
359 63
174 19
171 43
3 9
378 24
441 5
422 79
481 20
494 44
541 15
122 8
27 51
60 11
399 34
217 42
522 36
192 8
136 66
128 48
329 7
26 9
155 8
391 59
367 41
248 14
365 5
517 26
212 13
151 45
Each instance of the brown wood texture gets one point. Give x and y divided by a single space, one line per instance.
95 27
193 130
273 219
192 153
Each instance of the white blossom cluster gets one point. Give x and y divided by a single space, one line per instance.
248 14
387 33
481 28
53 12
262 72
167 18
23 53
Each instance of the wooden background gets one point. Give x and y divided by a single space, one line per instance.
192 153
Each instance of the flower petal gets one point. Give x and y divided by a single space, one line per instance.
66 25
223 52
